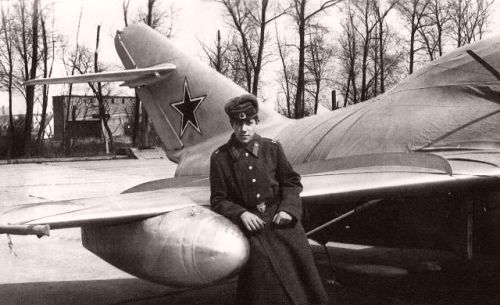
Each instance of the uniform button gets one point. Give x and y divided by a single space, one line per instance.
253 180
258 195
246 154
250 167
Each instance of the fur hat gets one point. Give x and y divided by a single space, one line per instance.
243 107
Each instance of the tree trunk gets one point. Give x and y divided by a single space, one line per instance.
352 72
299 102
145 129
218 61
376 68
67 133
7 31
381 56
102 110
248 72
346 97
12 138
135 130
30 90
412 45
354 88
256 72
334 100
145 139
459 25
316 98
41 129
125 6
363 71
439 27
364 65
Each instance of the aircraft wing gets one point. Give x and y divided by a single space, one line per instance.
103 210
131 77
386 182
375 176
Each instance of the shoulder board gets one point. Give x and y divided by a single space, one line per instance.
267 140
221 148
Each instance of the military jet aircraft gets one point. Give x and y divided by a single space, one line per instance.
405 182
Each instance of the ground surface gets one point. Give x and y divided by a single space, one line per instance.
58 270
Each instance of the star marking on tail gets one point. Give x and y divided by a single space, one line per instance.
187 108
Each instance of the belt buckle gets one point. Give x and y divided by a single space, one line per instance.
261 207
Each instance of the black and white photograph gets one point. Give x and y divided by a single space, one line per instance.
250 152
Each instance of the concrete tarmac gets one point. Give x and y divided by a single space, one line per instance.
58 270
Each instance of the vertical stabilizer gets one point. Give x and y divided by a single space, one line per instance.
187 106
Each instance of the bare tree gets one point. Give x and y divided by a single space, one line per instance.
317 62
125 6
434 25
86 62
98 92
371 14
27 47
159 19
249 19
469 18
137 103
239 14
48 51
72 63
303 20
228 59
381 38
287 80
162 21
368 23
413 11
7 53
348 56
218 58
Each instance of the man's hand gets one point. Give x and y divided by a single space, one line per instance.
282 218
252 222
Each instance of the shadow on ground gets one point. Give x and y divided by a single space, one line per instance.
121 291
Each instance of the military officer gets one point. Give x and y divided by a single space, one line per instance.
253 185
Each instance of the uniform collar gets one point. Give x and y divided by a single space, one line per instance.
253 147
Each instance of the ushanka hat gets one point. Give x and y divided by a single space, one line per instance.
243 107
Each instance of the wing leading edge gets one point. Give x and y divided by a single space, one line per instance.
103 210
131 77
328 185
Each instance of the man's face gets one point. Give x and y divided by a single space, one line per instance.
244 130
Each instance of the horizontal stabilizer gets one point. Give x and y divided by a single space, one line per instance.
131 77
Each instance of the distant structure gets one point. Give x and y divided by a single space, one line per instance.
4 123
80 114
18 120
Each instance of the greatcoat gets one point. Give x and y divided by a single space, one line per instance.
281 267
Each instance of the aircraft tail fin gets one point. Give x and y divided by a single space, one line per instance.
187 106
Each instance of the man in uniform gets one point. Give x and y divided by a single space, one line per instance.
254 186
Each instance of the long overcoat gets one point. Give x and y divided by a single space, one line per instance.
281 267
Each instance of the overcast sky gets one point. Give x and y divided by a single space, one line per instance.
194 20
